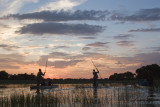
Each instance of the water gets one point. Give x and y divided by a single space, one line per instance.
110 95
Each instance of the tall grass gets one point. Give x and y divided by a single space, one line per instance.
157 85
80 97
21 100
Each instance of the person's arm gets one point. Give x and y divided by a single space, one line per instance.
42 73
97 71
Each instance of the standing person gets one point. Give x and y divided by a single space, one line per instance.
95 77
39 77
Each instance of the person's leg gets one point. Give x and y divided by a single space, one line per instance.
94 82
38 82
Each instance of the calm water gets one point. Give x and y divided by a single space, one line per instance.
112 95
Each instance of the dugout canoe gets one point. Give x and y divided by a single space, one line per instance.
143 86
43 87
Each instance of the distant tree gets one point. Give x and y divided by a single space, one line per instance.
144 71
128 75
114 76
13 77
3 75
122 76
26 76
22 77
32 76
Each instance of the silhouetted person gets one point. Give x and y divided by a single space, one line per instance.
95 77
39 77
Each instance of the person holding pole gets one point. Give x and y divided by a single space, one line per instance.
95 77
39 77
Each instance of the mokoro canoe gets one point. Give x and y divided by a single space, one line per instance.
143 86
44 87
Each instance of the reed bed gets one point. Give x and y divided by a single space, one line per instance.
82 97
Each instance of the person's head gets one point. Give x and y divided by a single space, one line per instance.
93 70
39 69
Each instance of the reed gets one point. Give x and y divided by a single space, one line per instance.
80 97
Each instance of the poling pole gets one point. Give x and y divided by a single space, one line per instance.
96 69
45 66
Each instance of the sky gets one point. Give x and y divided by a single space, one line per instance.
65 36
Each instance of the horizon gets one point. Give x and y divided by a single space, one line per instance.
119 36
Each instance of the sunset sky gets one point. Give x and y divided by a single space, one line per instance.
118 35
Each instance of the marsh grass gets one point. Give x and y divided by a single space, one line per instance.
157 85
21 100
81 97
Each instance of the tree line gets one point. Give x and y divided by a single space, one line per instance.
144 72
141 73
5 76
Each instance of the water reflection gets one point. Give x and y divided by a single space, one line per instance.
95 96
38 91
151 93
7 90
151 98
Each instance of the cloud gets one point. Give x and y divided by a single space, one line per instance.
34 47
123 36
146 30
58 60
134 62
87 38
12 6
63 60
8 7
141 15
126 43
61 28
118 62
63 64
157 49
60 47
8 47
8 66
2 26
86 48
56 55
149 58
98 44
104 62
60 4
12 61
63 15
